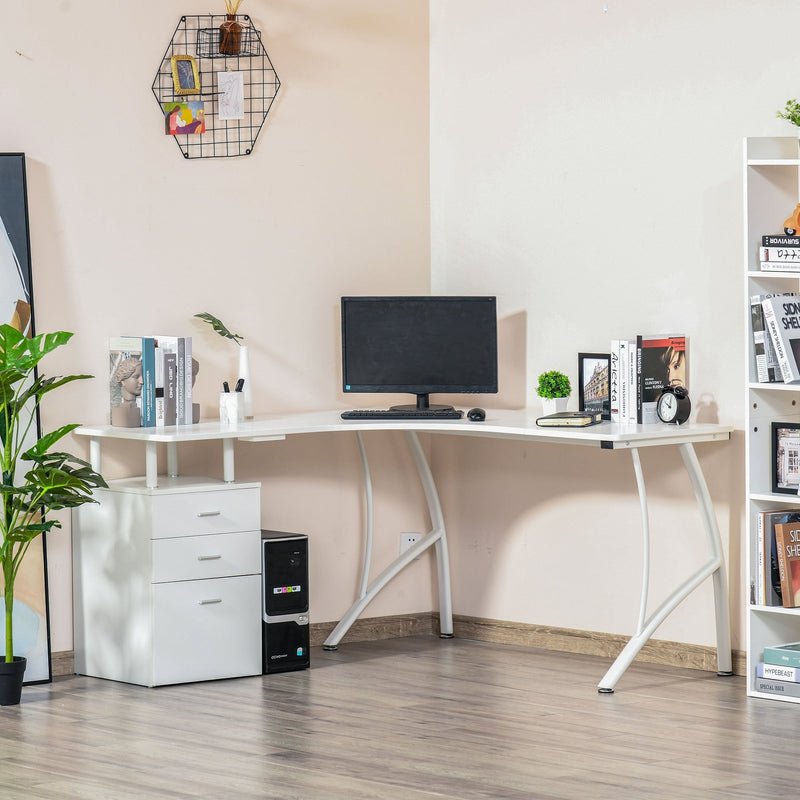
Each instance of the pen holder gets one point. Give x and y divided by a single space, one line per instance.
231 407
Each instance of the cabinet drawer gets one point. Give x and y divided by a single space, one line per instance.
200 513
217 555
204 630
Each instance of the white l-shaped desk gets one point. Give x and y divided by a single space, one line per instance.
500 424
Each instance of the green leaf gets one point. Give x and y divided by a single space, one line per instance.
217 325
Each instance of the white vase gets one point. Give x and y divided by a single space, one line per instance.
553 405
244 373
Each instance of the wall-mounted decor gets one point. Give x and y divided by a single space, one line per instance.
185 118
235 108
185 77
31 619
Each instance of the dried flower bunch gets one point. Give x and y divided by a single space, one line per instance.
232 6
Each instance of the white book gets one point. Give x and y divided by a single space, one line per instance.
782 321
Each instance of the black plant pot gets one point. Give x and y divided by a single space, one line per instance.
11 674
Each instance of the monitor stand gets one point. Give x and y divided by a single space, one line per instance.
423 404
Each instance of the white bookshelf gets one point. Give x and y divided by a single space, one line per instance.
771 192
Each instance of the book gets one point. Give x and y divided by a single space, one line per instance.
766 361
768 240
778 266
170 388
181 346
782 321
126 380
148 382
777 673
661 360
783 255
613 380
778 688
575 419
783 655
624 350
787 544
768 582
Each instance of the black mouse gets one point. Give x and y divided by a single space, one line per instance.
476 415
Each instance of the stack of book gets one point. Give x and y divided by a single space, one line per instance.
777 578
779 673
640 369
779 253
776 345
150 380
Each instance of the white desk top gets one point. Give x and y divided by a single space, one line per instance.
502 424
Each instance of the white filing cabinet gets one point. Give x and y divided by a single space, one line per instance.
167 581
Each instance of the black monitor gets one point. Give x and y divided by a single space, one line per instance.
419 345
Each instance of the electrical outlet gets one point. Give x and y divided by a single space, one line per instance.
409 540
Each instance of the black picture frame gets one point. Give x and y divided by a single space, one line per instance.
785 457
594 372
31 600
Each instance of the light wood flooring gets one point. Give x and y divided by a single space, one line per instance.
405 719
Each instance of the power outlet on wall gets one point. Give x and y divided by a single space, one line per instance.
409 540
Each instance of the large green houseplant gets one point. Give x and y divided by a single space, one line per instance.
35 478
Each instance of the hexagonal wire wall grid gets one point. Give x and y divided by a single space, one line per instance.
199 36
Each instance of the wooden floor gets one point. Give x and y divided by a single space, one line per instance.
405 719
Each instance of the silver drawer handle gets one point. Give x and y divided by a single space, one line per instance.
210 602
208 558
208 513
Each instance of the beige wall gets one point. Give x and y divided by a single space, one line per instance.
586 168
128 237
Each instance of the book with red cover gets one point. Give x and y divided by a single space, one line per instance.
787 543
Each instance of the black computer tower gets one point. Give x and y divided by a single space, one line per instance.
284 607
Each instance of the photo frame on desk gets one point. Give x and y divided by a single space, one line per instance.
594 371
31 609
785 457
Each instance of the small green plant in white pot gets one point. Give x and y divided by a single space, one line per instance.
791 113
554 389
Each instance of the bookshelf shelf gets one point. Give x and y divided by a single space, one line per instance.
771 192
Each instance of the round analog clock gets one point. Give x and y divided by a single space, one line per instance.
674 405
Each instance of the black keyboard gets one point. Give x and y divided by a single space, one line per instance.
396 413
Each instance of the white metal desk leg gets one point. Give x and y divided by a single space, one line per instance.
713 567
719 576
437 526
436 538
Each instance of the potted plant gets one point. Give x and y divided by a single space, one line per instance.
554 388
35 479
244 359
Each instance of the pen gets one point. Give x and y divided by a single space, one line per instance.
239 384
225 387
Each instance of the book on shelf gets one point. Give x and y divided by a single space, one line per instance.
768 240
572 419
787 543
780 255
768 369
661 360
782 321
778 688
768 582
783 655
132 381
778 266
776 672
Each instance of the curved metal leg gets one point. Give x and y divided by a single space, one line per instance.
714 566
436 537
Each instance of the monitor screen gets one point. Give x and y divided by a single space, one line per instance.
419 345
